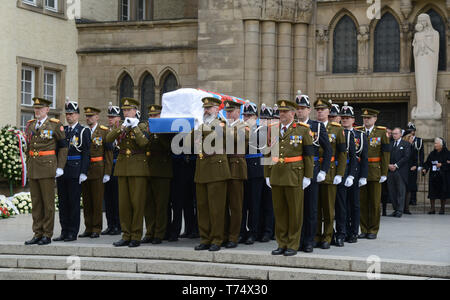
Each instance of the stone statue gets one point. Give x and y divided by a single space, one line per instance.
426 57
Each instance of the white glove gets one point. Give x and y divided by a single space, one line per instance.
419 169
134 122
349 181
362 182
83 178
127 122
383 179
106 178
268 182
59 172
321 176
306 182
337 179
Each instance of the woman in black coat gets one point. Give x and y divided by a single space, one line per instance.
438 163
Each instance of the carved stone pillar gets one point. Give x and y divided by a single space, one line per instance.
406 8
302 19
363 49
322 48
268 62
251 13
406 38
284 70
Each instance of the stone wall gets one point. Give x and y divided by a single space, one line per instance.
100 10
175 9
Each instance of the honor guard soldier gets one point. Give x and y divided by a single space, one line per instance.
112 186
352 227
289 175
378 158
322 151
212 173
344 187
328 188
47 155
266 228
158 191
132 170
75 172
99 173
253 187
417 160
237 133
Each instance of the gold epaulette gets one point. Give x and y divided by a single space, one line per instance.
104 127
359 127
55 120
381 127
336 124
31 120
304 124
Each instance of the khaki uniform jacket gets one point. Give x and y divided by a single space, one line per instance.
378 152
237 162
159 155
296 141
100 148
132 160
338 143
49 137
211 167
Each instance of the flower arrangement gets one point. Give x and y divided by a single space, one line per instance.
12 155
4 213
23 203
6 209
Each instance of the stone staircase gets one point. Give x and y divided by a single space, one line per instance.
165 263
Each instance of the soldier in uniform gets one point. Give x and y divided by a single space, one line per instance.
99 173
322 152
253 187
212 173
75 172
328 188
417 156
237 132
112 186
132 169
266 228
353 214
378 157
47 155
159 158
343 189
290 174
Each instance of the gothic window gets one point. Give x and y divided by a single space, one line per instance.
170 83
387 45
439 25
147 94
345 47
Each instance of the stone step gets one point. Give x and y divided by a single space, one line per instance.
184 268
227 257
33 274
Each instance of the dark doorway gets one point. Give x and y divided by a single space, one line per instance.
394 114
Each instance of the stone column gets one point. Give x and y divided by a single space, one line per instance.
268 62
303 17
251 14
284 78
363 49
406 39
321 48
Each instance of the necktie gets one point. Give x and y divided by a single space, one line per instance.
368 132
38 125
284 129
70 130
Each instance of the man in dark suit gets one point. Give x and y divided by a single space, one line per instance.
75 172
322 161
416 163
398 172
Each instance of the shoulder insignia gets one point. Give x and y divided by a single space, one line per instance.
359 127
304 124
104 127
31 120
381 127
336 124
55 120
